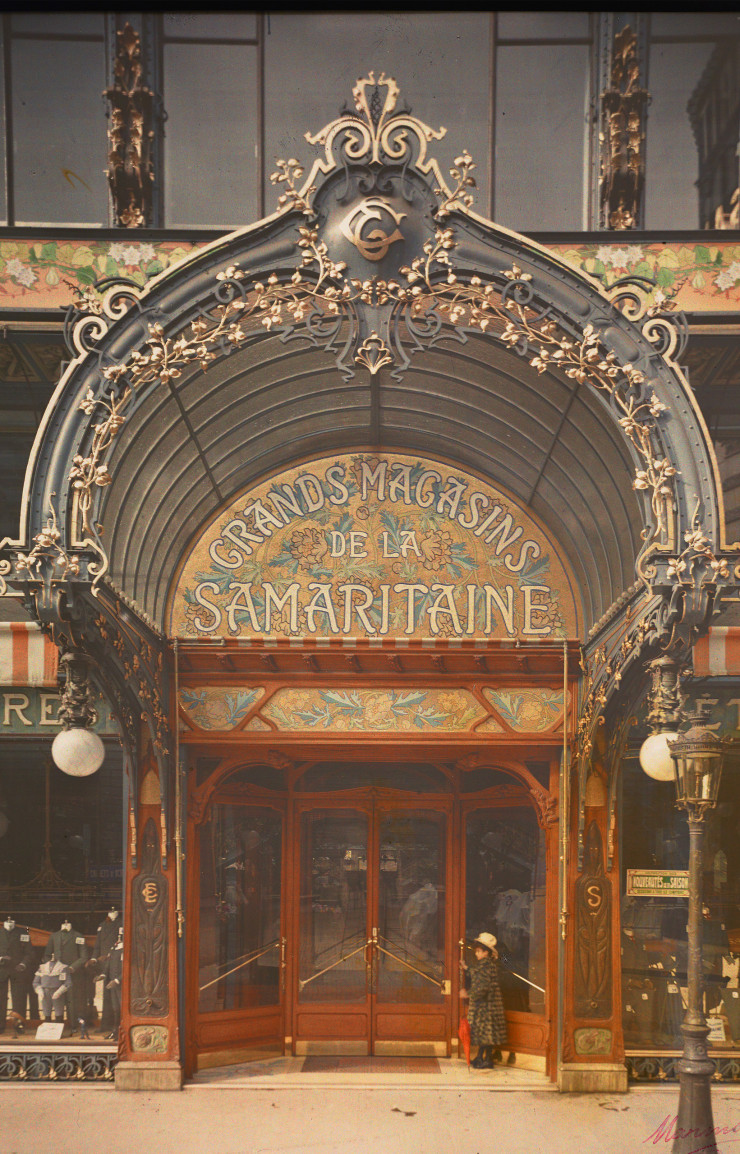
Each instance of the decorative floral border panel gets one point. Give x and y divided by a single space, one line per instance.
44 274
215 708
698 275
369 710
377 710
527 710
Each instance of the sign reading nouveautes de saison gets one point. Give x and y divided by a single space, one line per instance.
658 883
369 545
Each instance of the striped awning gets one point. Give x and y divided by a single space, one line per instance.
27 656
717 654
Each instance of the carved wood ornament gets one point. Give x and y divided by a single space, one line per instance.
149 985
593 933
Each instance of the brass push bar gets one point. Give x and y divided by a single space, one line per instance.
302 983
248 960
403 962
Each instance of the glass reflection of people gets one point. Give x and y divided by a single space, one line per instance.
418 920
716 945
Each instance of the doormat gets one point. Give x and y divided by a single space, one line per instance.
329 1064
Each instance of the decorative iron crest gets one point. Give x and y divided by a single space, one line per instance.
376 134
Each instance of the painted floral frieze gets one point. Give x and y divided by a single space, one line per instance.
692 276
369 710
697 275
47 273
527 710
218 708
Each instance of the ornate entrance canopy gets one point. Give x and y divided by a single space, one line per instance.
375 312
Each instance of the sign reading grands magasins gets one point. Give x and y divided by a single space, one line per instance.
371 545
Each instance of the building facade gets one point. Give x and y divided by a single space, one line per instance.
375 537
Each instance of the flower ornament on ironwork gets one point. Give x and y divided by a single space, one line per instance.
48 552
697 555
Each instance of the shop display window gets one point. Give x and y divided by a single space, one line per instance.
654 943
61 892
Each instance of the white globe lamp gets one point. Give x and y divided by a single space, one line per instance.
78 752
655 756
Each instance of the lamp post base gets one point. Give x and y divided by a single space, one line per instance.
694 1133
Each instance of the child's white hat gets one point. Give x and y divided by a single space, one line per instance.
488 941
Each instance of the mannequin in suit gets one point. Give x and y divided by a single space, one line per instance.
67 945
107 937
113 977
16 968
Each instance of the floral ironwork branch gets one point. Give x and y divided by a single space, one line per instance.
698 553
48 551
508 315
460 197
289 172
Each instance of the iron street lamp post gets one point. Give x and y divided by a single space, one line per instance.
698 756
694 761
695 1067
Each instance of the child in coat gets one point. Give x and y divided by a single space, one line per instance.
486 1007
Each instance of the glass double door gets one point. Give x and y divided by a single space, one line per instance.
372 932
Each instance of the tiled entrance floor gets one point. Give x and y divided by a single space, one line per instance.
330 1072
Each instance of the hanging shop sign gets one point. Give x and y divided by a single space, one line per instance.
373 545
658 883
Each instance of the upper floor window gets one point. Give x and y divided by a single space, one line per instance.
236 91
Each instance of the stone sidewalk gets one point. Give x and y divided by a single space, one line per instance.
411 1118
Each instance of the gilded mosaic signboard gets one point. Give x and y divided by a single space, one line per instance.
372 546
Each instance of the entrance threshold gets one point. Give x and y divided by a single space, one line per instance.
336 1072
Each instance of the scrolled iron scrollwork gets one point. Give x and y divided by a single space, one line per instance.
376 133
659 1067
643 302
95 309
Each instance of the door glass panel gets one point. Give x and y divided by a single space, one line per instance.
411 908
239 945
333 776
505 895
333 905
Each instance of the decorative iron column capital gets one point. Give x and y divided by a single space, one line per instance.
77 710
666 700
